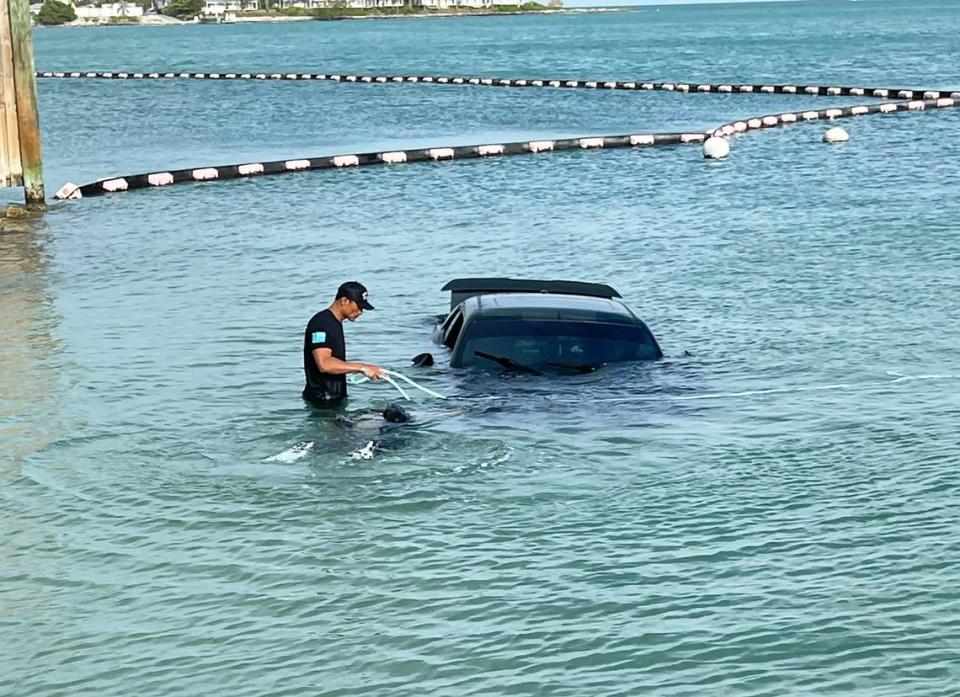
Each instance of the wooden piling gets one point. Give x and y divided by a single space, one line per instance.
22 161
9 132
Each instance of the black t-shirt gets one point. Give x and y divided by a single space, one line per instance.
323 331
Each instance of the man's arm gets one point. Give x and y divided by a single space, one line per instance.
334 366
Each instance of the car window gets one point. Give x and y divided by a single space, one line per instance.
552 342
453 326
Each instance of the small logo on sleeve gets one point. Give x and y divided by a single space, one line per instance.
319 337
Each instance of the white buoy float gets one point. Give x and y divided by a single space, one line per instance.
716 148
836 135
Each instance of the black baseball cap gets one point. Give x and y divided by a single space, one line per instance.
354 291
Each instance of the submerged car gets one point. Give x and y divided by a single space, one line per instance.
537 326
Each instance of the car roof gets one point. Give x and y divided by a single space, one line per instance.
558 306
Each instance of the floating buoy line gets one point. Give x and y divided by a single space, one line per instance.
715 140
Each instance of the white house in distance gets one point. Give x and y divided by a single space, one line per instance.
218 7
112 10
108 10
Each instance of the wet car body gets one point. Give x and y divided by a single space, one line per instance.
540 326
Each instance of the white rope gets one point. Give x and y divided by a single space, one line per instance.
425 390
388 375
393 382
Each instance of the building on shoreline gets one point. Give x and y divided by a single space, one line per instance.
108 10
222 7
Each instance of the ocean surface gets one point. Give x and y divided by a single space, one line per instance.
770 510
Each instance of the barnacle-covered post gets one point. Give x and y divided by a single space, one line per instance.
21 154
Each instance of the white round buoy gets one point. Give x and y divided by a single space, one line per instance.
716 148
836 135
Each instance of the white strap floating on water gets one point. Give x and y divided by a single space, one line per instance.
248 170
441 153
389 375
641 139
115 185
394 383
586 143
425 390
205 174
393 157
346 161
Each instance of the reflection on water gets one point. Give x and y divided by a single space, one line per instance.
29 352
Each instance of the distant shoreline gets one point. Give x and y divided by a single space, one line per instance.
164 20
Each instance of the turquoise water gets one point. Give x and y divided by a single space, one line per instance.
770 510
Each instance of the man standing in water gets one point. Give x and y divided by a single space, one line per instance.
325 363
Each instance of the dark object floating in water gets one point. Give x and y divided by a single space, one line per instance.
536 326
423 360
396 414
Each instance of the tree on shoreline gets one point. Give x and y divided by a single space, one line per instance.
184 9
54 13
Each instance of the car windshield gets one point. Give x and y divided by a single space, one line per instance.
555 343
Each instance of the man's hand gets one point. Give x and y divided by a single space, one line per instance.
374 372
